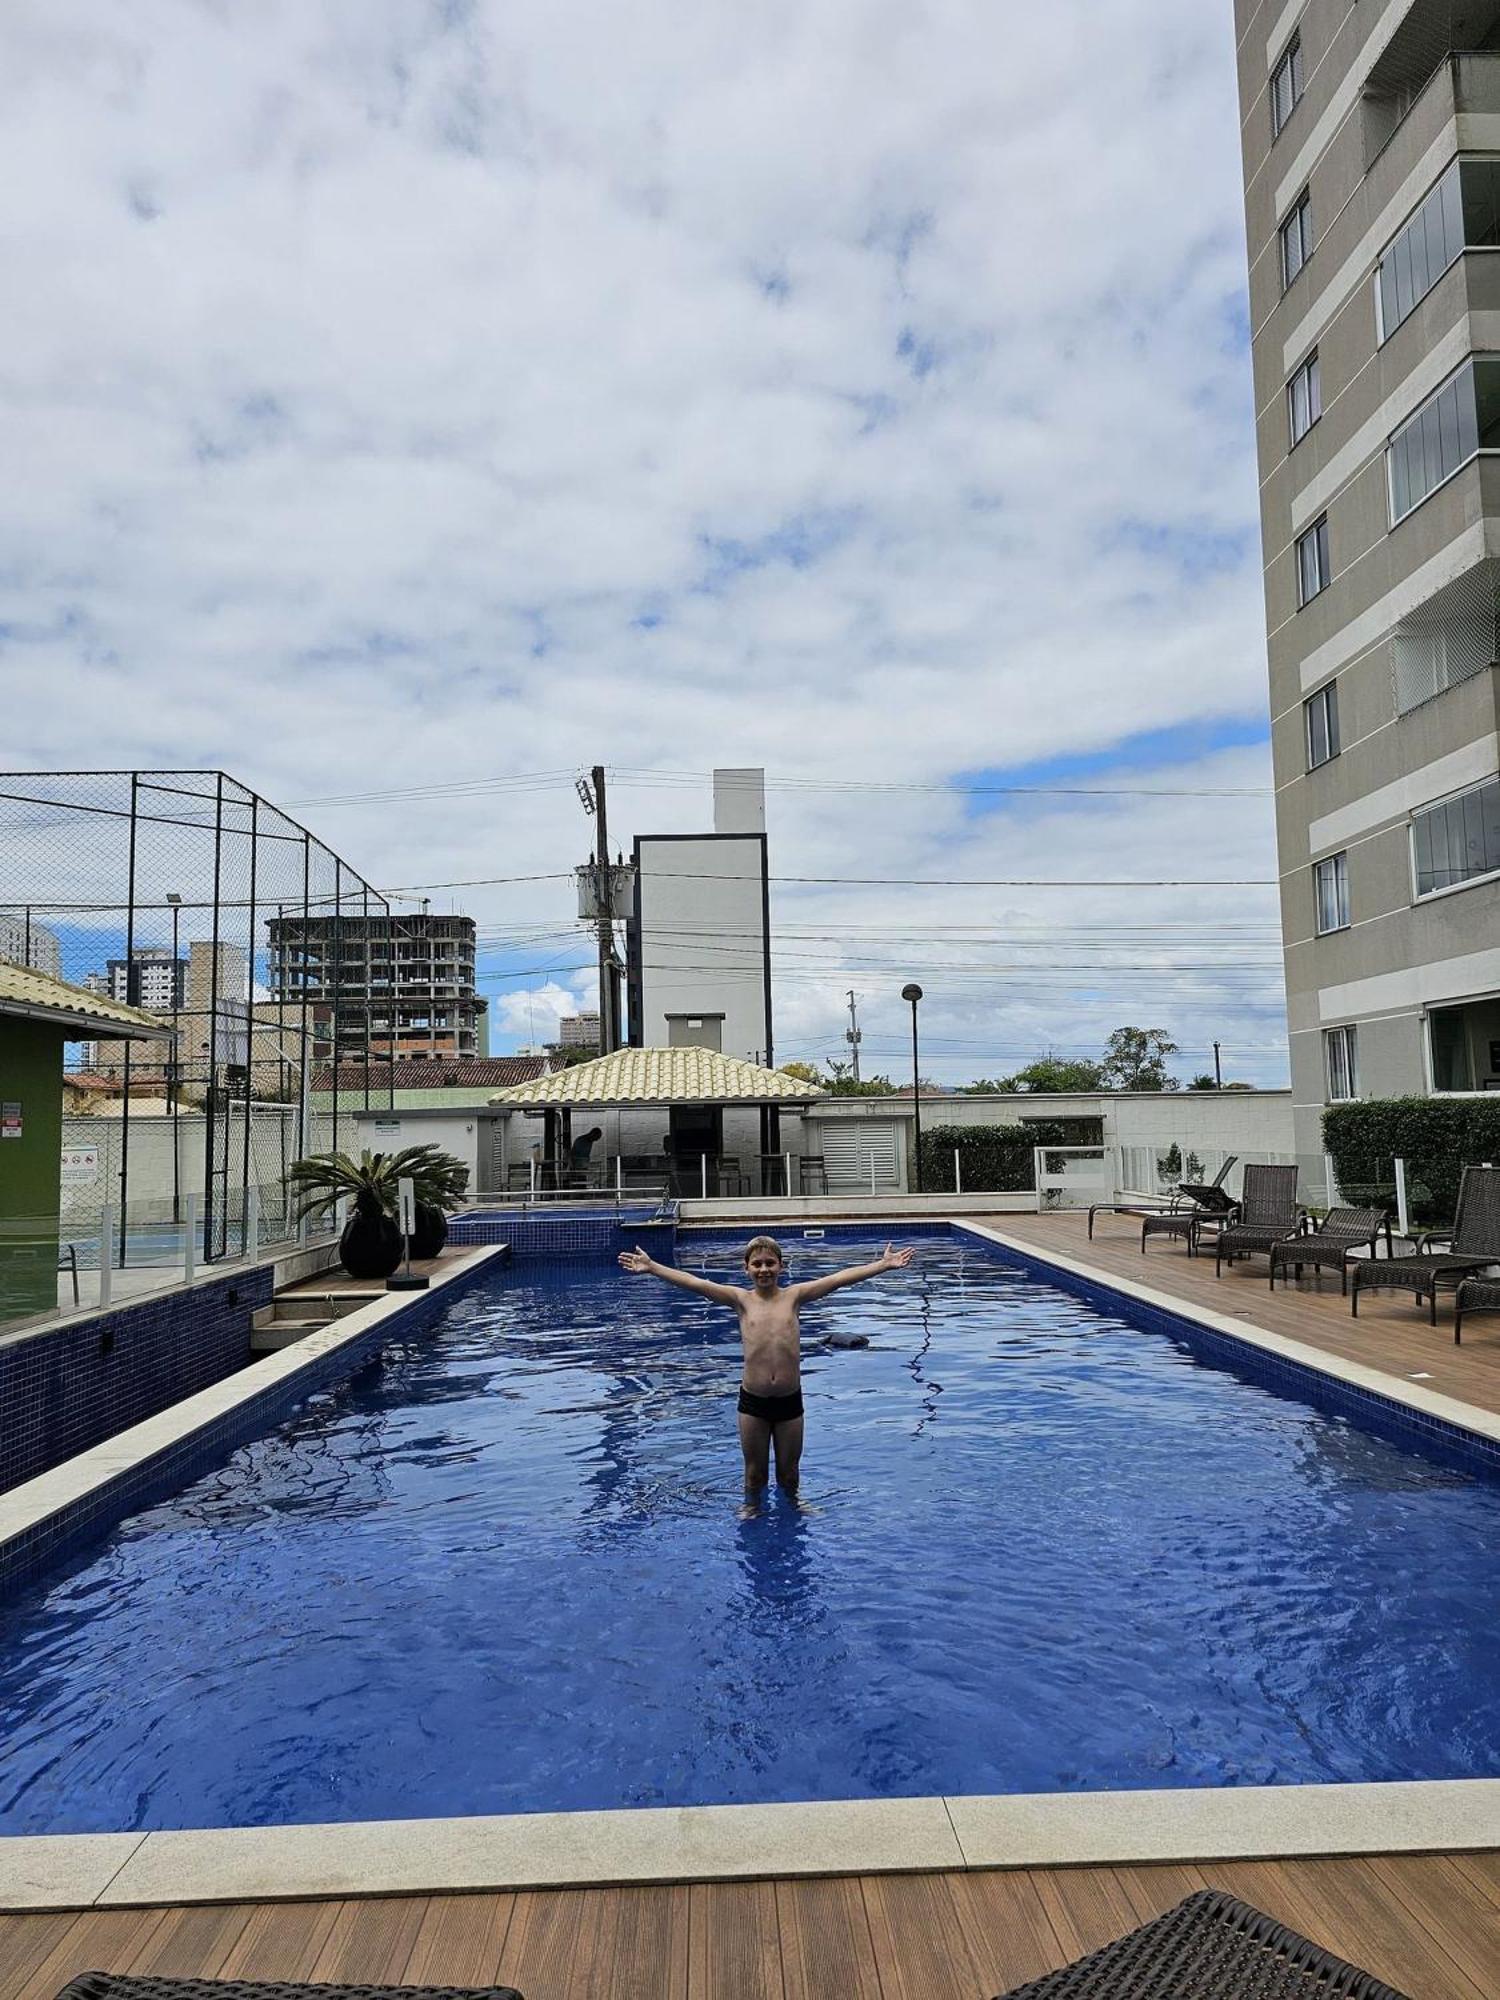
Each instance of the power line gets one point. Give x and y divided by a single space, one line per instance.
888 881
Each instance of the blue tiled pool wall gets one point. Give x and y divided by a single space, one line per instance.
1460 1449
177 1465
564 1238
68 1388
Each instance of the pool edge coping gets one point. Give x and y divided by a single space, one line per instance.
503 1852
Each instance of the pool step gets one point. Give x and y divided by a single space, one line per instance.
291 1318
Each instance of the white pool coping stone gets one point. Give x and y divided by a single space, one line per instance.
728 1843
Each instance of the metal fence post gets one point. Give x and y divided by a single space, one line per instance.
250 1229
106 1251
190 1239
703 1173
872 1175
788 1189
958 1173
1401 1217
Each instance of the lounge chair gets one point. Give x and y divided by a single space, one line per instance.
1473 1245
1146 1204
1269 1213
142 1986
1194 1204
1211 1947
1474 1295
1335 1240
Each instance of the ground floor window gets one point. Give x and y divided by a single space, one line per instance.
1340 1052
1465 1045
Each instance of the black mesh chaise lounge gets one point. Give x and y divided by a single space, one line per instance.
1475 1295
141 1986
1268 1214
1337 1237
1473 1245
1193 1205
1210 1947
1172 1205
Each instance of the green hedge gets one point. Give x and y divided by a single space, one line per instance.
1436 1136
997 1159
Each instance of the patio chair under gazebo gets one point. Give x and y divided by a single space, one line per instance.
694 1087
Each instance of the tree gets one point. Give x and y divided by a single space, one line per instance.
1136 1059
804 1072
1057 1074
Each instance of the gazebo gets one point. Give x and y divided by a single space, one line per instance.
694 1088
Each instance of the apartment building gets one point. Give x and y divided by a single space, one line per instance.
152 978
24 941
401 986
1371 140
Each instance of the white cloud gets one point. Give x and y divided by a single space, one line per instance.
395 393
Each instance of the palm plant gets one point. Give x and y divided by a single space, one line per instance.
370 1246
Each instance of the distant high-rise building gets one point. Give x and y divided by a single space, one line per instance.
24 941
152 979
403 987
1370 203
578 1031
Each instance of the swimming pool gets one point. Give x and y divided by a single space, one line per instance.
503 1571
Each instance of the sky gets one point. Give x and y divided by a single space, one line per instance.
405 406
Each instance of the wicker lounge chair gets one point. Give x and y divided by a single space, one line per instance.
1210 1947
136 1986
1152 1205
1341 1232
1475 1295
1192 1206
1268 1214
1473 1245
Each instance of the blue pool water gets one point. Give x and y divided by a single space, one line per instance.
504 1571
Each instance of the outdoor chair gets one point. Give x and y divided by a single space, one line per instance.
1341 1232
1474 1295
1193 1204
1211 1947
812 1174
1268 1214
1150 1205
138 1986
1473 1245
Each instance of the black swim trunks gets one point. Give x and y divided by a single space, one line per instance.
771 1409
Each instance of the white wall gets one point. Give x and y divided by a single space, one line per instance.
701 905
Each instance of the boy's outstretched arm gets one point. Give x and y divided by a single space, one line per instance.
815 1288
724 1295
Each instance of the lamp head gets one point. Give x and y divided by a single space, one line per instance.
175 901
912 993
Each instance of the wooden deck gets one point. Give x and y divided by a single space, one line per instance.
1391 1332
1429 1925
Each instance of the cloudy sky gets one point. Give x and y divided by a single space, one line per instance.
405 405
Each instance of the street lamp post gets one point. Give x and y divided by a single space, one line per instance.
173 1066
913 993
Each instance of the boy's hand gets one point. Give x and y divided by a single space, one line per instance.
896 1260
635 1260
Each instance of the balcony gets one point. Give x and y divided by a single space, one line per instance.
1436 41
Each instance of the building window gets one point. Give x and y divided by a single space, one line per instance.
1312 562
1296 239
1420 253
1458 420
1331 893
1286 85
1322 713
1341 1059
1304 398
1458 840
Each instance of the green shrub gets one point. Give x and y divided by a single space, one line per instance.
997 1159
1436 1136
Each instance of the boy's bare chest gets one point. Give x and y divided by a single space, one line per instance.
774 1321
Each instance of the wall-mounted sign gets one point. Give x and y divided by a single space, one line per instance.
388 1128
79 1164
10 1121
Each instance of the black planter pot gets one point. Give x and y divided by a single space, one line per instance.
431 1232
370 1246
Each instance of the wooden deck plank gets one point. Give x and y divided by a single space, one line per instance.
1482 1870
281 1941
25 1941
1086 1907
734 1942
1458 1916
370 1941
1010 1936
540 1943
632 1944
825 1940
460 1941
95 1941
192 1943
1390 1333
921 1946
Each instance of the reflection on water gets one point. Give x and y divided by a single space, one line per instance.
505 1571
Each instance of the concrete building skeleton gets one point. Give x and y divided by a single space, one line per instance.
1371 142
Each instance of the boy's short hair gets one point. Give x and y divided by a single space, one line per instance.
764 1243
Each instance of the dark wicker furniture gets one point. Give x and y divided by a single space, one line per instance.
1473 1245
1210 1947
1268 1214
135 1986
1334 1242
1173 1206
1192 1206
1475 1295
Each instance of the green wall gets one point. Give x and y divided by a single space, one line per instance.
30 1075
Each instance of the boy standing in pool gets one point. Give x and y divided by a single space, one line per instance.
771 1390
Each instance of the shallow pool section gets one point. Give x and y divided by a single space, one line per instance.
504 1571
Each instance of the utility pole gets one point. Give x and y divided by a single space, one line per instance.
851 1035
609 971
1218 1073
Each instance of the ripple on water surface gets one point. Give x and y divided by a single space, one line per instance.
504 1570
